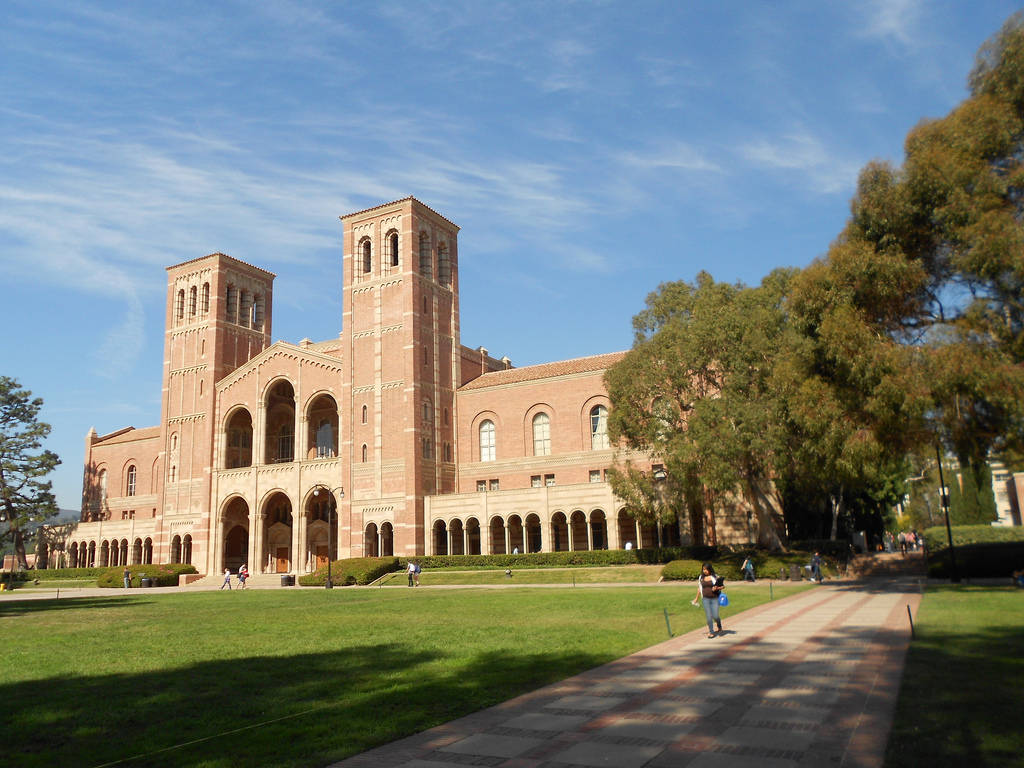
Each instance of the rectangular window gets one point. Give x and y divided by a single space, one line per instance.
535 481
493 485
549 479
595 475
481 486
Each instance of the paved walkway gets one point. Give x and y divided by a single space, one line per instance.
810 680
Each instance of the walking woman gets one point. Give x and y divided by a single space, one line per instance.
709 586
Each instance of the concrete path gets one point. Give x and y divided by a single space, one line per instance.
810 680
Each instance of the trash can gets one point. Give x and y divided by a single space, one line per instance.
145 581
287 580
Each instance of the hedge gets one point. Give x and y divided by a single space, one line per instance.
979 561
774 566
355 570
165 575
596 557
937 538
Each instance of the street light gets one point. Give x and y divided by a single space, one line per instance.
954 574
331 509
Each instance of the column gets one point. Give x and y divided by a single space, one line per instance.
590 535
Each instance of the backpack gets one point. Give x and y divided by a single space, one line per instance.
416 568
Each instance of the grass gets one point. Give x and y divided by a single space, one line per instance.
960 699
312 676
620 574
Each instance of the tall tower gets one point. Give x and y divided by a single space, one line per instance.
218 317
401 343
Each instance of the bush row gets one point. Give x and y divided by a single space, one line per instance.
774 566
937 538
355 570
162 575
980 561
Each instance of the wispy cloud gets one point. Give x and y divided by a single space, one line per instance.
821 169
893 20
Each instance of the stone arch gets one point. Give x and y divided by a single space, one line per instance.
137 550
457 536
578 531
279 406
496 535
235 533
473 543
238 431
278 524
516 534
559 532
532 530
598 529
387 539
370 541
147 551
175 549
320 515
186 549
627 529
439 537
322 418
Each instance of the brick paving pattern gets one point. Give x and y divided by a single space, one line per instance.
810 680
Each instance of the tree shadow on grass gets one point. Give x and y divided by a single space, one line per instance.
291 710
32 605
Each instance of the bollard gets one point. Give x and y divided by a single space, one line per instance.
771 592
667 625
911 620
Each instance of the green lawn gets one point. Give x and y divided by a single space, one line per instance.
963 684
619 574
298 678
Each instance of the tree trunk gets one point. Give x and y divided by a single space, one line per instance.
19 550
838 506
767 512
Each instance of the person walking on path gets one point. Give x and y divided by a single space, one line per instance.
127 579
227 579
243 574
709 587
748 570
414 574
816 567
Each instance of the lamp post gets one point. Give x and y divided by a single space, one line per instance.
954 574
331 511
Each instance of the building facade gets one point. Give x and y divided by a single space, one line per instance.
392 439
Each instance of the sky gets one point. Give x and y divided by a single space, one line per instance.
589 151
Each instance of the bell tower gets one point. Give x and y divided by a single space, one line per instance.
218 317
401 341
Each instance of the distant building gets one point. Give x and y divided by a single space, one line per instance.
393 438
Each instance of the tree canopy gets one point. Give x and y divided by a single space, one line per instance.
26 499
814 389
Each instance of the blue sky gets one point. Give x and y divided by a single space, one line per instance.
588 150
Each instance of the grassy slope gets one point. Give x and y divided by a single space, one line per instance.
961 694
99 680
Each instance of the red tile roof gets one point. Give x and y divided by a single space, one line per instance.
545 371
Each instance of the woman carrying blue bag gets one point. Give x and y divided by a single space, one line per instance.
709 589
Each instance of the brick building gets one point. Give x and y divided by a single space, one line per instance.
391 439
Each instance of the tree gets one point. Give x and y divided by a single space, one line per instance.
25 498
695 392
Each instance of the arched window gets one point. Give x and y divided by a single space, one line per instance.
444 265
324 440
193 301
257 312
598 428
487 440
364 414
130 484
206 298
174 441
364 453
426 267
367 260
427 448
103 485
286 442
245 309
393 244
180 309
541 435
174 474
231 311
428 412
447 451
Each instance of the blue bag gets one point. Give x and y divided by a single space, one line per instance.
723 599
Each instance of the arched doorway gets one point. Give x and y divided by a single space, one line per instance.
440 538
186 549
370 541
176 549
516 542
559 533
497 530
534 540
578 531
387 540
320 525
627 530
277 534
598 530
457 537
137 551
236 534
147 551
473 536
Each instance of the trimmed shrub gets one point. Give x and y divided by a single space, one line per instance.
937 539
162 575
979 561
774 566
689 570
354 570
